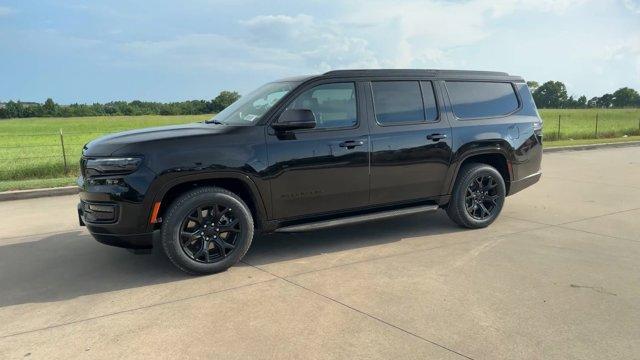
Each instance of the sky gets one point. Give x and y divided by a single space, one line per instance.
99 51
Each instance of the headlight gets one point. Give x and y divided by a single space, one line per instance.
111 166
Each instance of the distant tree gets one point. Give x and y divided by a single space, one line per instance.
626 97
533 85
593 102
552 94
49 107
224 99
605 101
582 102
14 109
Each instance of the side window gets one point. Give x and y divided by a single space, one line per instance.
473 99
399 102
334 105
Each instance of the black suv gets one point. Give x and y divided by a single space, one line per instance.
312 152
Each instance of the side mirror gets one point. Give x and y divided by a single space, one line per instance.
294 119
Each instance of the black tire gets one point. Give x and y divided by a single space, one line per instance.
471 198
185 247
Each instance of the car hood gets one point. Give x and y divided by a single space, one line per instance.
109 144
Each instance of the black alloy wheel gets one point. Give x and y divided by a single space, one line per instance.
208 234
207 230
481 197
477 196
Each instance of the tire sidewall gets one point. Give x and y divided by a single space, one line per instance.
470 175
182 207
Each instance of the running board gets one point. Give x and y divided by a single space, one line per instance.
357 219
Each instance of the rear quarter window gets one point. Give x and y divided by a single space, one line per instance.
476 99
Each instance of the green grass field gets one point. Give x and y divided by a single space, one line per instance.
31 153
31 148
581 123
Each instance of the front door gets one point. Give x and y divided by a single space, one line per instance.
325 169
410 141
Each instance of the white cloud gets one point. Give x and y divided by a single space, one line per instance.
205 51
632 5
320 44
423 32
628 48
504 7
5 11
375 33
409 34
379 33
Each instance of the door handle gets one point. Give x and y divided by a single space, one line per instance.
350 144
436 137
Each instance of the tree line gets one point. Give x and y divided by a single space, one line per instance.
553 94
17 109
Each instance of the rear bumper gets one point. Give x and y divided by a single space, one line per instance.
523 183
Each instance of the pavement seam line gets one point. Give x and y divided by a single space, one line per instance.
591 182
387 257
597 216
377 258
595 233
408 252
572 221
241 286
136 309
364 313
562 226
82 231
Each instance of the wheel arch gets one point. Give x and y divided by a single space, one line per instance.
496 157
237 183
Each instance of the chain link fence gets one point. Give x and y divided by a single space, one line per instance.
592 126
41 155
56 154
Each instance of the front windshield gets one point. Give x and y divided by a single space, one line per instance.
248 109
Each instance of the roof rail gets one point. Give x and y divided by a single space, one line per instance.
431 72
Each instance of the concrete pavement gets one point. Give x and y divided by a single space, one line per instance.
555 277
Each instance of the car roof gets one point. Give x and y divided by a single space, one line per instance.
418 73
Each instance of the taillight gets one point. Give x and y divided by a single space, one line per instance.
537 126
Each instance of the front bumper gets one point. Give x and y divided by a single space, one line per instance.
128 241
108 233
116 209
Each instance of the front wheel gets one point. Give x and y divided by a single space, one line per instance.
478 196
207 230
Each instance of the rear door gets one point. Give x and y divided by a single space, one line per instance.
410 141
325 169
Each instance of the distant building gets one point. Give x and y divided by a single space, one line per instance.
24 103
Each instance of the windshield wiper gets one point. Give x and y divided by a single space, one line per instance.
213 121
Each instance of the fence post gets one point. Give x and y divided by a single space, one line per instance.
597 125
559 118
64 155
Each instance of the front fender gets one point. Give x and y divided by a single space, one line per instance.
166 182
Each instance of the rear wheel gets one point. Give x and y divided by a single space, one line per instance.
207 230
478 196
